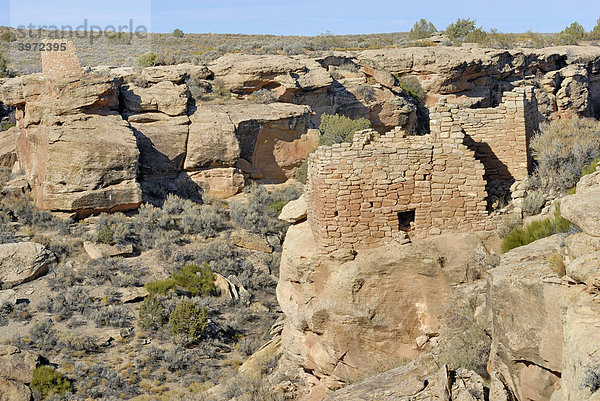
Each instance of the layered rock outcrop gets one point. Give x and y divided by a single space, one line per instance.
77 152
567 79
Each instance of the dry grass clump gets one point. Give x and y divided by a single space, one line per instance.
562 149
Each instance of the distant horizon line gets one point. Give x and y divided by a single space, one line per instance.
326 33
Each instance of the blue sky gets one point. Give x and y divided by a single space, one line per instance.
302 17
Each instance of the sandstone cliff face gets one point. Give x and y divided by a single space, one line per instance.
78 154
345 311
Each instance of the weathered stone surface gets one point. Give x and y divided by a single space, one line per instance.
586 269
581 244
97 251
583 210
175 73
248 240
526 328
295 210
22 262
590 182
212 138
286 75
8 147
14 391
420 380
164 97
219 182
343 314
162 141
9 296
89 164
581 339
16 364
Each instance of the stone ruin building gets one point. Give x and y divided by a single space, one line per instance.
365 193
60 63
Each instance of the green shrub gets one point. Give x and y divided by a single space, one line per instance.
460 28
595 33
590 168
196 280
422 29
152 314
536 230
302 172
8 37
412 87
572 34
3 67
48 381
278 206
557 264
178 33
562 149
147 60
161 287
188 321
339 129
105 235
479 36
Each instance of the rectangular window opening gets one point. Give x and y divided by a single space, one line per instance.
406 220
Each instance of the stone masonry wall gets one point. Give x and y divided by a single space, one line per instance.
60 63
499 135
356 191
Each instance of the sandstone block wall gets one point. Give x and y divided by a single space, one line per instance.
60 63
362 194
499 135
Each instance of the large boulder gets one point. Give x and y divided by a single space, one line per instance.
16 371
583 210
526 358
16 364
161 140
44 101
294 211
219 183
165 97
273 138
581 365
285 75
22 262
586 269
345 312
11 390
212 138
175 73
88 164
76 151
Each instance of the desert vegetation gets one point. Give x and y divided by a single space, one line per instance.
185 333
